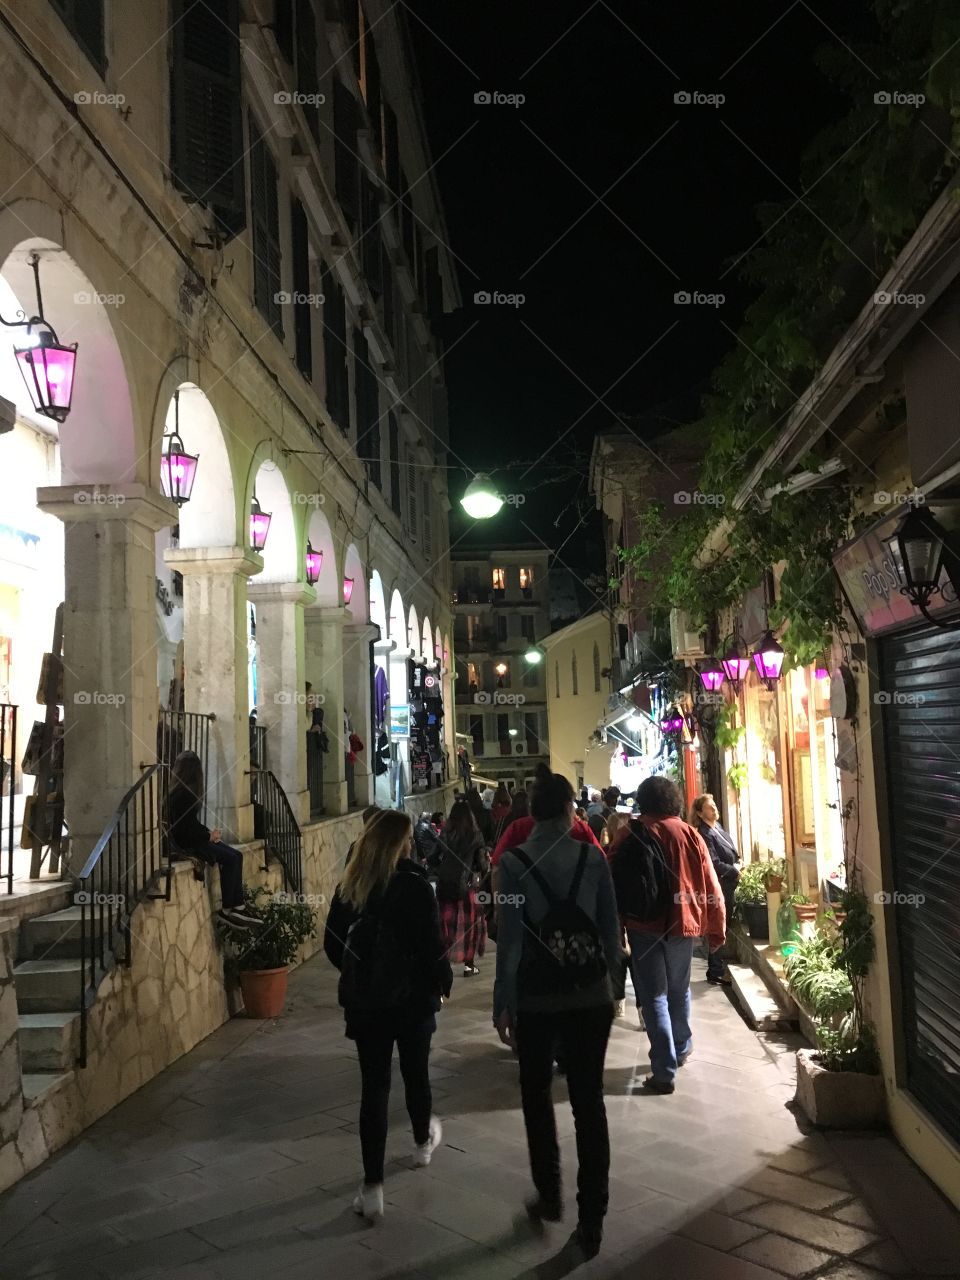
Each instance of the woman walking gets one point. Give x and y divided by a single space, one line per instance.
705 818
459 870
194 839
383 934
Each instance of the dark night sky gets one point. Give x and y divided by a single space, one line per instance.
515 190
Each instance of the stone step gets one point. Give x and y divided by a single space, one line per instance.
37 1082
48 1041
752 994
52 936
47 986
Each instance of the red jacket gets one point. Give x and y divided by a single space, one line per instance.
698 908
520 829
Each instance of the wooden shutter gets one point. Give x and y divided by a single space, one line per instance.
346 165
265 217
84 19
283 26
371 77
308 81
388 297
412 523
433 283
427 521
407 231
302 309
394 431
391 151
352 19
335 349
206 127
370 242
368 409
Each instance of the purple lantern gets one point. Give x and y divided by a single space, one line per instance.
712 676
48 369
672 722
347 590
314 563
178 469
768 658
259 525
735 665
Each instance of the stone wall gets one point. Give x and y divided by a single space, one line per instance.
12 1164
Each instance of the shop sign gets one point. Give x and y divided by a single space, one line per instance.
400 720
871 583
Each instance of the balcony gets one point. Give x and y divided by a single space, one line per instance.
472 595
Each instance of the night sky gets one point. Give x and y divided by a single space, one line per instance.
677 186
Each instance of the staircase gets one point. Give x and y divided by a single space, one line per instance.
48 984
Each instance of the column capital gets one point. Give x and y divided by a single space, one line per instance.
362 630
201 560
280 593
133 503
325 613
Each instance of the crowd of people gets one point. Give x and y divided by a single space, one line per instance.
575 896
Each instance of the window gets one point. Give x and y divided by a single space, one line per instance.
84 19
557 678
473 626
370 235
427 521
473 675
407 224
502 671
394 432
531 677
528 626
368 408
573 673
335 350
476 733
412 522
526 582
345 165
300 254
308 82
499 579
387 299
265 217
501 626
596 667
391 152
206 124
531 731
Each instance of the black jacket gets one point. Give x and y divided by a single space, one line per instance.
723 853
455 865
411 907
186 829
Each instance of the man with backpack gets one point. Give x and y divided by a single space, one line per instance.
668 895
558 944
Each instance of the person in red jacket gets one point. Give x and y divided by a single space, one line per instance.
661 951
521 828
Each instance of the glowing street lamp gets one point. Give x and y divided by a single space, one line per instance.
46 364
347 590
533 656
178 469
735 665
480 499
712 676
314 563
768 659
259 525
672 722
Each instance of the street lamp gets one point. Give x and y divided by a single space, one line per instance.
347 590
768 659
480 499
672 722
178 469
46 364
533 656
314 563
712 676
635 722
735 665
916 547
259 524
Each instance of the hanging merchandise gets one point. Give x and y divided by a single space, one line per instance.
427 760
381 760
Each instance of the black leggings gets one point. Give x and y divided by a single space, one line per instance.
375 1051
230 862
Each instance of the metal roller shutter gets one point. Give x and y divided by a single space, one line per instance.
920 693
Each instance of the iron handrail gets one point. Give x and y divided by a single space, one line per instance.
8 733
282 837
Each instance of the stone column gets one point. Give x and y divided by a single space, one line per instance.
215 672
281 692
323 641
110 690
357 680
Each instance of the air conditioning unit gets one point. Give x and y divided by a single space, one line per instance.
686 641
519 748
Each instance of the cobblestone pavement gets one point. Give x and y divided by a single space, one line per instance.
241 1160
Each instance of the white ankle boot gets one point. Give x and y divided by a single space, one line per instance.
369 1201
425 1150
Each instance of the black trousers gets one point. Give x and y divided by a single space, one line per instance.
375 1052
230 862
716 965
580 1037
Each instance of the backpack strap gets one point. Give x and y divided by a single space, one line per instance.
578 875
544 888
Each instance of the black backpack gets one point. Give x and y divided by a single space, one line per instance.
376 971
642 879
563 953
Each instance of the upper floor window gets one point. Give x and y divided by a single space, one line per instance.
528 626
499 579
526 581
502 672
84 19
265 218
596 667
573 672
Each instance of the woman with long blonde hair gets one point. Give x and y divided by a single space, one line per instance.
383 934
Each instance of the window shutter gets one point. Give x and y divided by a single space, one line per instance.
407 227
302 310
368 409
307 80
346 166
84 19
412 523
265 217
372 85
391 151
352 19
283 22
394 430
370 242
427 522
335 349
387 295
433 283
206 127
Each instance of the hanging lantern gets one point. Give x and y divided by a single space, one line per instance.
178 469
917 547
314 563
347 590
480 499
735 665
712 676
768 658
259 525
46 364
672 722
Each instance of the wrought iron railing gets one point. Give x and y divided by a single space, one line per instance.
315 755
258 753
121 871
281 834
8 779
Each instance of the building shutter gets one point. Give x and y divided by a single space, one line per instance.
427 521
368 409
283 24
308 82
302 309
370 242
352 20
407 229
84 18
265 217
335 350
345 163
371 77
206 126
412 522
394 430
391 151
388 300
920 679
433 283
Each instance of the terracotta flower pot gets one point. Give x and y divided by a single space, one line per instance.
806 911
264 991
774 884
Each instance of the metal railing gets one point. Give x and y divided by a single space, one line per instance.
315 773
282 838
258 753
182 731
8 779
120 872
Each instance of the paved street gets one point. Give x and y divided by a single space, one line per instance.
240 1161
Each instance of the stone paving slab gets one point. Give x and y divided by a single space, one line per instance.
241 1161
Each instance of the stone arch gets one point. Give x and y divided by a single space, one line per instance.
353 569
426 640
281 562
320 536
378 608
397 621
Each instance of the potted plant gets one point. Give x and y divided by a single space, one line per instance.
751 899
261 958
775 875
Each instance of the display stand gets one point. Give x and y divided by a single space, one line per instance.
43 814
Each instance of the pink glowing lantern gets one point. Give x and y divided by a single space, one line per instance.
347 590
259 525
178 469
768 658
712 676
48 370
735 665
314 563
672 722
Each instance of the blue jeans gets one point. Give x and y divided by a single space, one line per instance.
661 979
